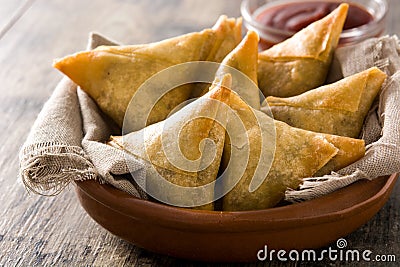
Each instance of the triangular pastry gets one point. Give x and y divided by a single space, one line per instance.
338 108
301 62
112 74
244 59
241 63
177 149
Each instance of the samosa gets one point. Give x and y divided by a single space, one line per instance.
112 74
301 62
297 153
338 108
241 63
244 59
178 150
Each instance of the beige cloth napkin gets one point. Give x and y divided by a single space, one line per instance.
66 142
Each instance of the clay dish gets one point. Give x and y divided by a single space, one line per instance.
234 236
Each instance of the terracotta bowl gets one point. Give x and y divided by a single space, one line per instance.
233 236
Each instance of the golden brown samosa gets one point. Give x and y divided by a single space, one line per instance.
244 59
179 149
338 108
297 153
301 62
112 74
241 63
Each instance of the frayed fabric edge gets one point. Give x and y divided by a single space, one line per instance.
318 186
47 168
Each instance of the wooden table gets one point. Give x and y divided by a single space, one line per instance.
47 231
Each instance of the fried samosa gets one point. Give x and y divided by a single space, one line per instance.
178 149
244 59
301 62
112 74
241 63
244 56
338 108
297 153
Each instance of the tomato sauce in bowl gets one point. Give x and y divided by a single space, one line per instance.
277 20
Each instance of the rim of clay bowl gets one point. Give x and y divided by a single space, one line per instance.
316 211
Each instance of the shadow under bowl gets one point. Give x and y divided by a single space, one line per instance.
216 236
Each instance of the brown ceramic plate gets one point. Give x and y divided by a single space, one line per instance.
234 236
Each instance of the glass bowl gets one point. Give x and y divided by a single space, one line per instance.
251 9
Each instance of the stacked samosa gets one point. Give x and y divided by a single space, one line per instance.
287 153
189 148
298 154
277 157
175 149
243 58
295 154
301 62
112 74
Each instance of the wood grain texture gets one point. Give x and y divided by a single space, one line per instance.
393 18
43 231
11 12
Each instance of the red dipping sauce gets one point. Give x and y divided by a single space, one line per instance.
295 16
277 20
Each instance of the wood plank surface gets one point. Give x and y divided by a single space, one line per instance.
56 231
11 12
